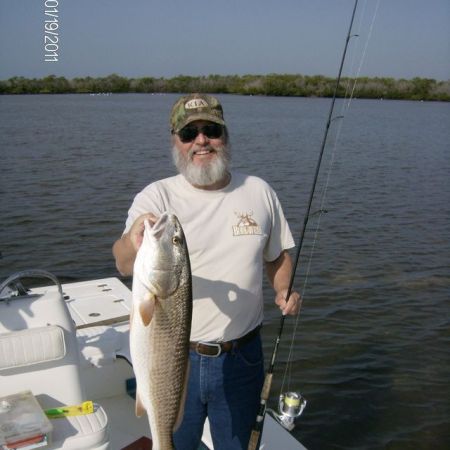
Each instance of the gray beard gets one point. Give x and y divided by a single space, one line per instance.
206 174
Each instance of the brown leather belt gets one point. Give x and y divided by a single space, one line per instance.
215 349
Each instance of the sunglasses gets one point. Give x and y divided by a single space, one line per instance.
190 132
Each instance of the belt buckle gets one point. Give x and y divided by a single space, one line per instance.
209 344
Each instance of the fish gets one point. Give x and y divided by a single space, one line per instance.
160 325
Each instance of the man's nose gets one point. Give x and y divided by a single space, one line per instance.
201 138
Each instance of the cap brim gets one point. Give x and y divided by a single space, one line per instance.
200 116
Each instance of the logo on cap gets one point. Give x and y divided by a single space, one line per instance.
196 103
195 107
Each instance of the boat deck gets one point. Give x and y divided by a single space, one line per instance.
100 309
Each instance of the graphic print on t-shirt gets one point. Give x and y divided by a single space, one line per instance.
246 225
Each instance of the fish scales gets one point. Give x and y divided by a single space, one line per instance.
172 337
162 292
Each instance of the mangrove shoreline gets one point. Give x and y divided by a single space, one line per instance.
270 85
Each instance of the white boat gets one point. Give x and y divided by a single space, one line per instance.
70 343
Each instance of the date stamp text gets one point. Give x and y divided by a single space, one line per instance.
51 31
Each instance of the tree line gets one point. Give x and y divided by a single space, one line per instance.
271 84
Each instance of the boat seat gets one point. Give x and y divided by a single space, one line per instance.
39 352
81 432
25 348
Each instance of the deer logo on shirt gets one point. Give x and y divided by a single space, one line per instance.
246 225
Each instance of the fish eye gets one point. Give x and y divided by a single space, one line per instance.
176 240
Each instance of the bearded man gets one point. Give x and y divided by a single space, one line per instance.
235 228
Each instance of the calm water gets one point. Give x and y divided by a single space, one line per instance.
371 350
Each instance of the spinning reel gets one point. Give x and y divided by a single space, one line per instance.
291 406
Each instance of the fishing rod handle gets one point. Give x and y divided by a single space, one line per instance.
257 429
265 392
254 440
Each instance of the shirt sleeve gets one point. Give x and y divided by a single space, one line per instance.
280 237
147 201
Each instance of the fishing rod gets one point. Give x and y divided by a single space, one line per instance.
295 403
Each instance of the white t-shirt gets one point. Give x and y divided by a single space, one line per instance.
229 233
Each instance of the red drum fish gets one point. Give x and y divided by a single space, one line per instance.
160 327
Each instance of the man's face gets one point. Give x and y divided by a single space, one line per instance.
203 157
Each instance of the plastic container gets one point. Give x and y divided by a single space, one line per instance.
23 424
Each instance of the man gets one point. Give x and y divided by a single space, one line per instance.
234 226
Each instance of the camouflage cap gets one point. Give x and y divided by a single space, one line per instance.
195 107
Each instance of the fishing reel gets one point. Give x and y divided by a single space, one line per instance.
291 406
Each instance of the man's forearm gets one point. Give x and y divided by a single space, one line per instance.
279 271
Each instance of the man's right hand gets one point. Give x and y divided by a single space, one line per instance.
125 248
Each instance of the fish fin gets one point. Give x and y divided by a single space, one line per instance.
146 308
183 399
139 407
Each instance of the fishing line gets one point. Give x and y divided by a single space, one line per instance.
265 393
357 34
363 57
350 87
257 429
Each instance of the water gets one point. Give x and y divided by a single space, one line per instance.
371 349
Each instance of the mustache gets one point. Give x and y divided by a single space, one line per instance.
192 151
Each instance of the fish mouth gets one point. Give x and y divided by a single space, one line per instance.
163 260
157 229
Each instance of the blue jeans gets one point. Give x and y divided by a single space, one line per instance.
227 389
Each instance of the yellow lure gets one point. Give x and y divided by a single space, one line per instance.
65 411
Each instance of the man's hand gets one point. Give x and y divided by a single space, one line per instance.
136 233
292 306
279 273
125 248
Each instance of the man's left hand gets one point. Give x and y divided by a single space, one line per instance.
292 306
